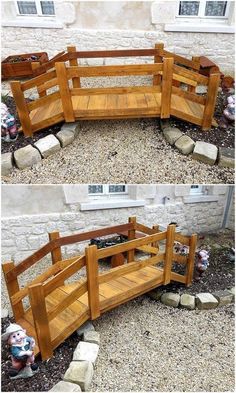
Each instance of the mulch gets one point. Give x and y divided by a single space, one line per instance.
217 136
219 276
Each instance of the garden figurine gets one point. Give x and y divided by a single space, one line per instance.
202 263
181 249
9 132
21 349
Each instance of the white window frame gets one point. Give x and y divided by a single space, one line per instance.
38 9
196 191
201 17
106 190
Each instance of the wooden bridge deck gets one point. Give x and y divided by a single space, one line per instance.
111 294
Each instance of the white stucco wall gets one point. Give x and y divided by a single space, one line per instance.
116 25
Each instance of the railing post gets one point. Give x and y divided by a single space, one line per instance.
131 236
191 259
39 312
156 228
34 66
12 288
170 237
166 88
22 108
195 59
74 62
158 59
65 92
214 80
56 253
92 279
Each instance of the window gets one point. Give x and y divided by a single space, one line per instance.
107 189
37 7
203 9
196 190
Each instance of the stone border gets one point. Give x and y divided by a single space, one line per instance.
201 151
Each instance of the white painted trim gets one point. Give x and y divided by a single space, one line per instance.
33 23
111 204
200 198
199 28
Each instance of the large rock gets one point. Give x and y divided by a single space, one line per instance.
65 137
226 157
170 299
80 373
206 301
86 351
26 157
223 297
86 327
187 301
172 134
71 127
48 145
92 337
185 144
6 164
63 386
205 152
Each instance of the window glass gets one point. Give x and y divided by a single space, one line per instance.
47 7
27 7
116 188
95 189
215 8
189 7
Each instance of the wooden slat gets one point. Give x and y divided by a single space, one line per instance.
182 60
120 70
177 277
189 96
13 288
191 259
47 85
35 65
180 258
157 59
40 125
62 56
73 62
112 53
92 280
166 87
182 239
44 100
148 249
214 80
145 229
22 108
56 253
39 80
115 90
131 236
64 92
129 268
195 76
169 253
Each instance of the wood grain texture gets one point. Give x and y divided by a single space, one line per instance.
169 253
191 259
131 236
56 253
93 283
214 80
166 87
74 62
64 92
22 108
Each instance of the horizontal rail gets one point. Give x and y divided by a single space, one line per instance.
189 96
131 245
46 123
117 70
60 277
145 229
114 90
203 80
129 268
182 239
148 249
182 60
80 290
38 80
48 85
178 277
112 53
180 258
44 100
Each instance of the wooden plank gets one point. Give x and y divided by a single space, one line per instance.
35 65
73 62
80 103
92 280
182 239
22 108
180 258
189 96
38 306
169 253
65 92
12 289
145 229
177 277
189 74
131 236
141 101
186 116
112 53
214 80
129 268
115 90
48 122
117 260
39 80
47 85
166 87
56 253
119 70
151 101
158 59
182 60
148 249
62 56
191 259
43 101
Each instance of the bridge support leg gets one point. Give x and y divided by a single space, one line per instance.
191 259
169 253
158 59
166 87
22 108
92 278
214 80
131 236
56 253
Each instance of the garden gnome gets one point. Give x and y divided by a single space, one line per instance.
202 263
9 131
22 354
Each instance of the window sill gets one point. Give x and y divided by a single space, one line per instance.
111 204
33 22
200 198
199 28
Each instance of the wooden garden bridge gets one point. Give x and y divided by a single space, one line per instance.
61 97
57 308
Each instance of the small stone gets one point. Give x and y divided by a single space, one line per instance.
170 299
87 326
72 127
48 145
63 386
26 157
185 144
223 297
92 337
65 137
172 134
226 157
187 301
155 294
206 301
205 152
86 351
232 290
6 164
80 373
4 313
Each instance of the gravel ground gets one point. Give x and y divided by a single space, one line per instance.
146 346
120 151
